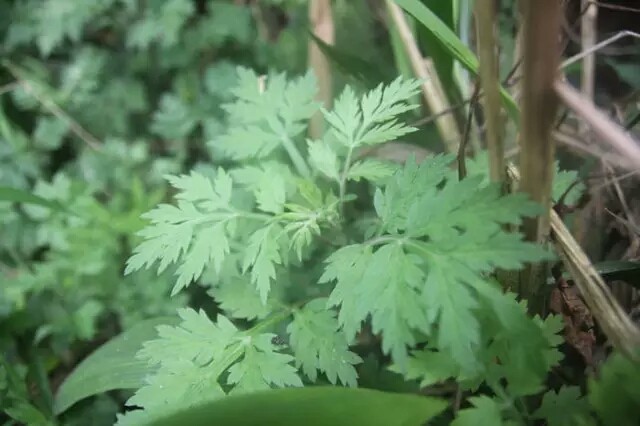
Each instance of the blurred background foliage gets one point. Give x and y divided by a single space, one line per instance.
100 99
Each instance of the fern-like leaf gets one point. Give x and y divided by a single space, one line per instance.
318 344
197 229
193 358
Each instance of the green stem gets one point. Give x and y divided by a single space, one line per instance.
275 319
507 401
297 159
343 178
384 239
232 355
255 216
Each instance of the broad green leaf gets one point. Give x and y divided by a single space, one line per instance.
442 59
452 43
20 196
441 31
27 414
623 270
314 406
628 72
112 366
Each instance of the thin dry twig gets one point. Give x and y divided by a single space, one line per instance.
321 19
573 141
462 166
605 128
619 178
619 192
54 109
599 46
8 87
450 110
615 6
542 23
589 38
508 81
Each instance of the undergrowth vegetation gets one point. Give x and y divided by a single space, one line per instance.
156 164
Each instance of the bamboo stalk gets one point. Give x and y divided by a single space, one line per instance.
487 51
322 26
432 90
542 23
601 125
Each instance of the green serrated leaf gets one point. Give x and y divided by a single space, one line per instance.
566 407
262 121
384 284
615 395
161 23
430 367
174 119
197 228
323 159
567 180
261 256
373 119
49 132
486 412
318 344
262 367
240 299
371 170
190 358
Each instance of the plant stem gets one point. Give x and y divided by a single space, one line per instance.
255 216
278 317
298 161
343 178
